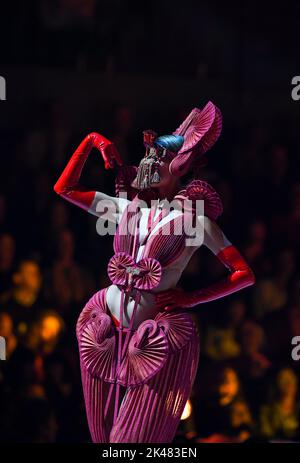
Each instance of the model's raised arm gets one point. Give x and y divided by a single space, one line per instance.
68 186
240 274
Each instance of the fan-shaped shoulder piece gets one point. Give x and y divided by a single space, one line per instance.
200 130
199 189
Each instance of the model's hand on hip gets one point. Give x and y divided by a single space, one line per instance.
170 299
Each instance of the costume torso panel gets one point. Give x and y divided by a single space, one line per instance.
166 243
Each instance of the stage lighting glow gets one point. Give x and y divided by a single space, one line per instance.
187 410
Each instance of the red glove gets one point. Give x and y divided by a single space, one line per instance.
107 149
67 185
240 277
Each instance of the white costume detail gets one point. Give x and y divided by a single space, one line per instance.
213 238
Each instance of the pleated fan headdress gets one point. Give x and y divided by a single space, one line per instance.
185 148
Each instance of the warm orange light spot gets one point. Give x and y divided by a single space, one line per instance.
187 410
50 327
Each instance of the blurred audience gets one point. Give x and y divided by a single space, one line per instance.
22 301
50 267
51 258
7 261
224 415
279 418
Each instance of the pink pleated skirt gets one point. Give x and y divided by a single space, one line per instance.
154 378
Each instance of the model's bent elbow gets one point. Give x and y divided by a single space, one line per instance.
247 278
57 188
61 190
251 277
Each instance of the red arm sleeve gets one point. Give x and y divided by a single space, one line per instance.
240 274
67 185
240 277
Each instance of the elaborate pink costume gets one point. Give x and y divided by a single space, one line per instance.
139 347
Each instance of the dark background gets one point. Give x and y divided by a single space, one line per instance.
118 67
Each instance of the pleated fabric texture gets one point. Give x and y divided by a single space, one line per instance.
156 375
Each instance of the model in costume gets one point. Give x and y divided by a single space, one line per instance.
139 346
